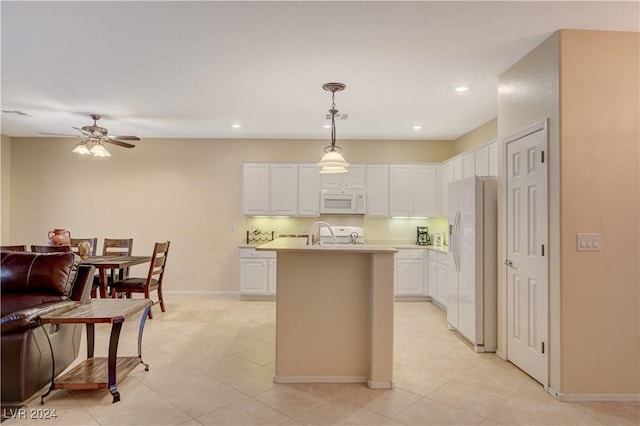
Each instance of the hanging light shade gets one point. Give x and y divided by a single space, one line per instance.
82 149
99 150
333 161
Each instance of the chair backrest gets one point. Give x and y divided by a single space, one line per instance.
93 243
158 261
117 247
49 249
22 247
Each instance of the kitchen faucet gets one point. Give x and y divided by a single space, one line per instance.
318 225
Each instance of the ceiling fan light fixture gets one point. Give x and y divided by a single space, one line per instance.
333 161
98 150
82 149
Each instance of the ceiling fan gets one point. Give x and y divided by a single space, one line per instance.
95 136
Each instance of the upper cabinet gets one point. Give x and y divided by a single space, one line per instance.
413 190
353 179
270 189
468 164
308 190
493 159
377 176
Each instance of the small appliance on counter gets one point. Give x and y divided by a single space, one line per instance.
423 238
438 240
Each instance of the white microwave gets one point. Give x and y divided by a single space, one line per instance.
347 201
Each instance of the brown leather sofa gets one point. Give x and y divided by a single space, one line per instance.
33 284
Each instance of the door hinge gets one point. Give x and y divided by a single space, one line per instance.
542 156
542 347
543 249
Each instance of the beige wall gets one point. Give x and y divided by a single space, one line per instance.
600 135
186 191
5 183
586 84
476 137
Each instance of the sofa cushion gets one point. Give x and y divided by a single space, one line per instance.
30 279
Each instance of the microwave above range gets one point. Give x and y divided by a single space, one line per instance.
346 201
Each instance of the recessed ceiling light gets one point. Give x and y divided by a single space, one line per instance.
236 126
461 89
417 127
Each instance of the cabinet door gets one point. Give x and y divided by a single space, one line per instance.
377 190
425 190
457 169
433 279
355 178
482 161
409 277
441 290
468 164
308 190
271 276
331 181
253 276
447 174
493 159
255 189
400 190
284 189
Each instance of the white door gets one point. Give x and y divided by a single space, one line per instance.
253 276
284 189
308 190
378 190
400 190
527 252
425 190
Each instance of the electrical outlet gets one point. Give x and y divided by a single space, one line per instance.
232 228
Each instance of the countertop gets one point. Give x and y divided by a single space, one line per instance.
300 244
376 244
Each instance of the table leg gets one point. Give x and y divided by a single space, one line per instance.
113 357
143 320
103 283
91 339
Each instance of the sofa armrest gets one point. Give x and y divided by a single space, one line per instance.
29 318
82 285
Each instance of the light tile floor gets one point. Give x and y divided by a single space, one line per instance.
212 362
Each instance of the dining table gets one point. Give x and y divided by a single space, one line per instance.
105 263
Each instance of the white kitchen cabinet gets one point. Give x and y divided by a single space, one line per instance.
457 168
425 190
257 272
447 176
255 189
400 190
482 161
468 164
413 190
441 290
270 189
308 190
377 177
354 179
433 273
409 272
493 159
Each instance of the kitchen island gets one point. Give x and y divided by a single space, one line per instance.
334 313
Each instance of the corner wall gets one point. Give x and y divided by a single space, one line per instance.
5 189
477 137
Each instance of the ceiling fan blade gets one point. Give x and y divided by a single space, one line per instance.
58 134
119 143
84 132
125 138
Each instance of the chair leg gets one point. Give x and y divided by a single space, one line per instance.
161 298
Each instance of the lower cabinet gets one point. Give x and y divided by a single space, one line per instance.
441 291
410 273
257 272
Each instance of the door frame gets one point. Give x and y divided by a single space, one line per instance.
542 125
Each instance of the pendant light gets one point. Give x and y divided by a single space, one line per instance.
332 161
99 150
82 149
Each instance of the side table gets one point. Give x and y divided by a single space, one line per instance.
100 372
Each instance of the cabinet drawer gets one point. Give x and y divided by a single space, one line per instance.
251 253
410 254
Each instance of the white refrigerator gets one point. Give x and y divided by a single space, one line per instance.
472 268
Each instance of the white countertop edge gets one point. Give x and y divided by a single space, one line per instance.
300 244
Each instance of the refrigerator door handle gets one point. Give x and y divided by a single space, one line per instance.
456 241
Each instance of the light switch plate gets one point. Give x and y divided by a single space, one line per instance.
589 242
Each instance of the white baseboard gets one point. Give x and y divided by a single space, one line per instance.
501 355
381 385
319 379
590 397
209 292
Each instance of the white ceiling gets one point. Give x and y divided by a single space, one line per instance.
192 69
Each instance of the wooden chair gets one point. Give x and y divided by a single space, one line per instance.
152 282
114 247
93 244
22 247
49 249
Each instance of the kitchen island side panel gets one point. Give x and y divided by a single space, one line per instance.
322 315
